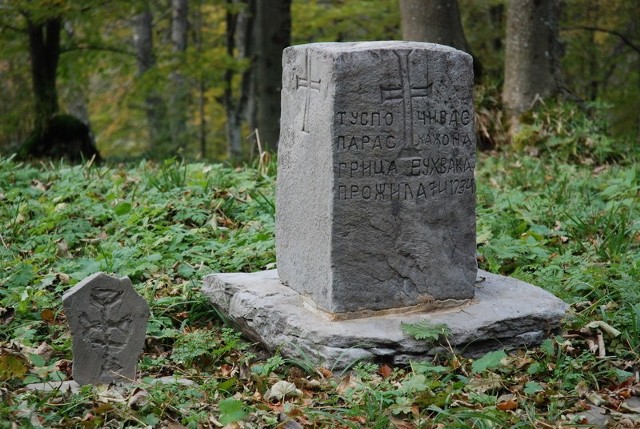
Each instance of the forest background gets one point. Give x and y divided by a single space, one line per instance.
157 79
557 205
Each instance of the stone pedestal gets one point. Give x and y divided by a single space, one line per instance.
375 215
505 313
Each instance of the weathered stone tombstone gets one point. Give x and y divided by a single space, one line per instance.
375 214
376 194
108 321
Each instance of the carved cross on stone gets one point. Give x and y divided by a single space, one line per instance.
405 92
108 322
309 85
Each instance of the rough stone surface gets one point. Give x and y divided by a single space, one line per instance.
108 322
505 313
62 386
73 387
375 203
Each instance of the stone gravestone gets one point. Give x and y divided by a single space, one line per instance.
375 193
108 322
375 215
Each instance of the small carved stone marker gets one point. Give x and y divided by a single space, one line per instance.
108 322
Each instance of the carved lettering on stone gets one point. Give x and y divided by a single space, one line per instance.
375 209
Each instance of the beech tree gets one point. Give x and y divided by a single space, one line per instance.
272 33
44 52
531 57
54 135
257 32
240 45
435 21
154 107
178 98
51 31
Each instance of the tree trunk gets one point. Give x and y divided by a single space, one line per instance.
239 46
436 21
153 105
246 43
496 18
272 35
531 55
202 82
44 51
54 135
178 99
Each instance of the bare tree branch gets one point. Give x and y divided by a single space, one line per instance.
97 48
5 26
604 30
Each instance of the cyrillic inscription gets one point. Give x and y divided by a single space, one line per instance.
365 118
442 117
401 191
404 167
390 176
375 204
366 142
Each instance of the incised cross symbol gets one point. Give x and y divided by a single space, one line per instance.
309 85
405 92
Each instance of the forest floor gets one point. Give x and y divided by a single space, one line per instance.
553 213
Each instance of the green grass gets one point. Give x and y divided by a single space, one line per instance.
570 224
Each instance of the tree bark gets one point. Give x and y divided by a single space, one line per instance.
44 51
153 104
531 55
143 39
436 21
178 99
198 25
272 35
54 135
246 43
239 46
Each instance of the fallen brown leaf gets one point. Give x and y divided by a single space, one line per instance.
484 384
385 371
507 405
65 365
325 372
47 315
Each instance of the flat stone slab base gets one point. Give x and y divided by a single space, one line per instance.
505 313
73 386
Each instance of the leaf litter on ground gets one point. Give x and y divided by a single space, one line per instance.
167 226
